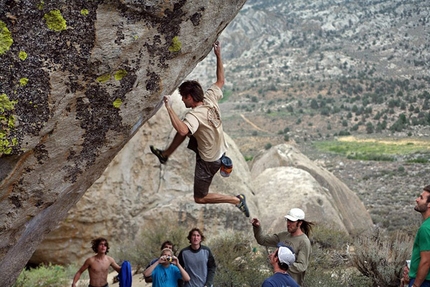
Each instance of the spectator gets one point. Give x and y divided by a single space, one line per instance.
165 244
165 274
98 265
198 261
419 275
296 236
280 260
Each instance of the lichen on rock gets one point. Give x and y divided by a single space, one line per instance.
22 55
176 45
55 21
23 81
7 122
5 38
117 103
120 74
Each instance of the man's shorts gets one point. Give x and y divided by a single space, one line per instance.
203 176
107 285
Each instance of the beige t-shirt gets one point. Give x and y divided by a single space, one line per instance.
204 123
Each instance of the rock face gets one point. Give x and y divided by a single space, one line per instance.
135 191
77 80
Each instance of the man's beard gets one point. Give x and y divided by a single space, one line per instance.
421 208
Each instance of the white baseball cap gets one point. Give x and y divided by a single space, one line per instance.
285 255
295 214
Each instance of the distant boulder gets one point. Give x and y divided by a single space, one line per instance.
284 178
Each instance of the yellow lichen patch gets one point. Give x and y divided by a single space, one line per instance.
23 81
5 38
117 103
85 12
6 104
55 21
176 45
22 55
103 78
7 122
120 74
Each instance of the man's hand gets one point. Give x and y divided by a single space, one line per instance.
255 222
167 101
175 260
217 48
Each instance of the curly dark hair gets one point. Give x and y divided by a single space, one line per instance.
95 243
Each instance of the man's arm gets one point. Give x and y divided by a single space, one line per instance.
148 271
177 124
265 240
423 268
80 271
219 67
211 269
184 274
114 265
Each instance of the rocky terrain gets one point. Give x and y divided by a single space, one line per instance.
307 71
387 189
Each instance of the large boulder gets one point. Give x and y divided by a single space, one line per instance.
284 178
77 81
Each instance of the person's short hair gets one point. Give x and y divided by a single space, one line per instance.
427 188
167 242
95 243
192 88
191 233
166 249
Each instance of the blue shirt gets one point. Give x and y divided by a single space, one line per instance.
166 276
280 280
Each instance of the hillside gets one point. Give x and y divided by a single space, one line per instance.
307 71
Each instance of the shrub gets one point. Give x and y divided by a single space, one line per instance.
329 264
335 277
240 261
46 276
381 257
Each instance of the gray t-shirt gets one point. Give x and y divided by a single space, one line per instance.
199 264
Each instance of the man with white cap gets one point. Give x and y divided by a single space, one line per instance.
281 259
296 236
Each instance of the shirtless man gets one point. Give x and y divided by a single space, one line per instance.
98 265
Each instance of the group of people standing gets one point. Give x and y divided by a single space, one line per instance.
195 264
289 261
